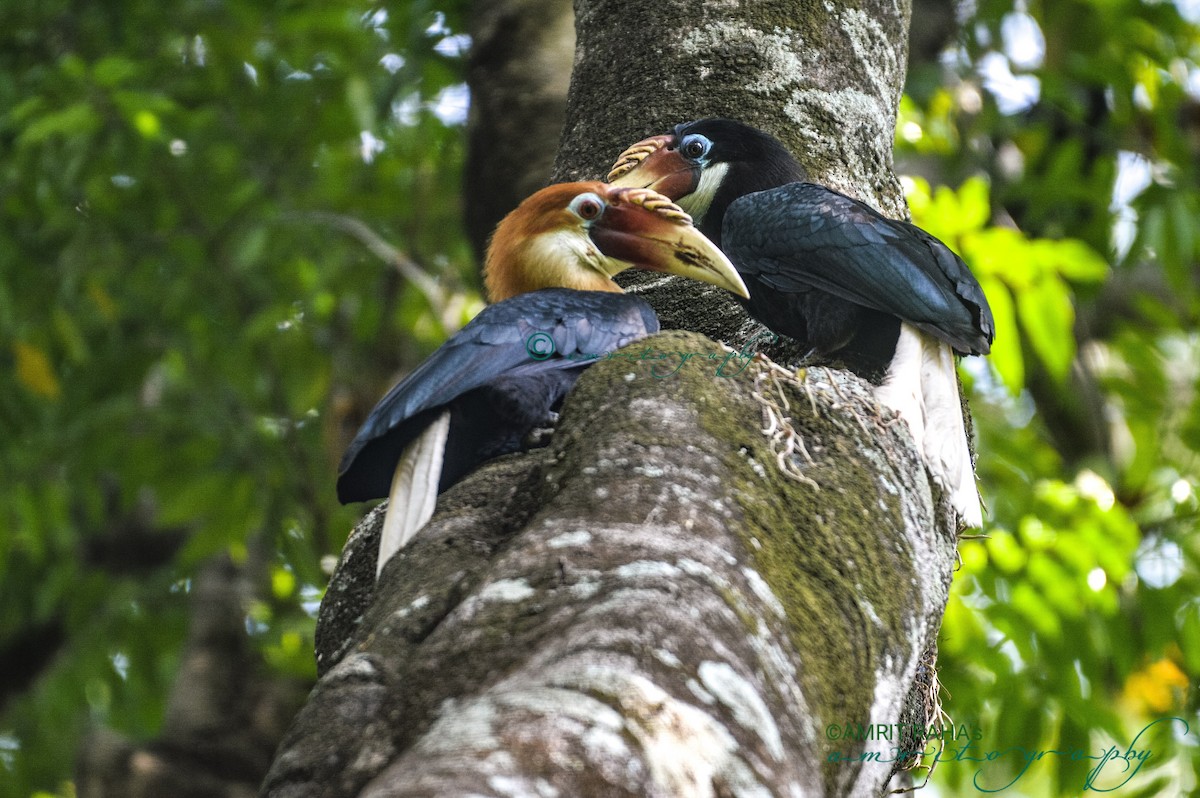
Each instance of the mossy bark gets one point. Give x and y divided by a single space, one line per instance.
648 606
825 78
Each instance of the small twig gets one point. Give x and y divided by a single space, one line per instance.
812 400
787 407
933 701
847 403
769 418
784 440
408 268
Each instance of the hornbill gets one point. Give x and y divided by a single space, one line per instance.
883 297
549 270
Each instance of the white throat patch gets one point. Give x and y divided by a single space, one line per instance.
569 259
697 203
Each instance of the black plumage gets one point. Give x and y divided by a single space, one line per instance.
494 380
828 270
556 310
822 268
878 296
758 162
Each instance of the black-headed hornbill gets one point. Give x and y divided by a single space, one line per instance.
883 297
549 272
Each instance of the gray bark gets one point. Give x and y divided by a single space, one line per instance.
699 574
648 606
824 78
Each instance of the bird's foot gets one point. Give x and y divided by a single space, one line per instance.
541 436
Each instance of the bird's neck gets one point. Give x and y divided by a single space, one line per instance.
723 183
554 260
703 204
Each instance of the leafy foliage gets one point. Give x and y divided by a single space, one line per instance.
1072 128
190 330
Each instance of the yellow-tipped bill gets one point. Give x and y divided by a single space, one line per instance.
644 229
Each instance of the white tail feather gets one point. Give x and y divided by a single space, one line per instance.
922 386
414 492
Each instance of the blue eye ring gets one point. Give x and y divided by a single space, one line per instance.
694 146
588 206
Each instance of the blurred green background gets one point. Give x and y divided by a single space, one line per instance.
202 209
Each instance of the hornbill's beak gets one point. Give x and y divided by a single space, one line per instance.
643 228
656 163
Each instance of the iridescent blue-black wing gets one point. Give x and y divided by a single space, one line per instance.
803 236
500 376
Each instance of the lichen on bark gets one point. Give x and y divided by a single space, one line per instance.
824 78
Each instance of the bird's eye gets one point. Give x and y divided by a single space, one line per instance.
694 146
587 206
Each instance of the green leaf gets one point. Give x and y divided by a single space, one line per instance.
358 97
1006 553
1076 261
113 70
1030 604
79 119
1048 318
1000 252
1006 357
974 203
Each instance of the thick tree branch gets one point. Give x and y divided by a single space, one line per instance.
519 72
824 78
222 718
649 606
408 268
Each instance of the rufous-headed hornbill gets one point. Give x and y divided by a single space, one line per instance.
549 272
883 297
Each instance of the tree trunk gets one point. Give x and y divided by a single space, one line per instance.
714 568
518 73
